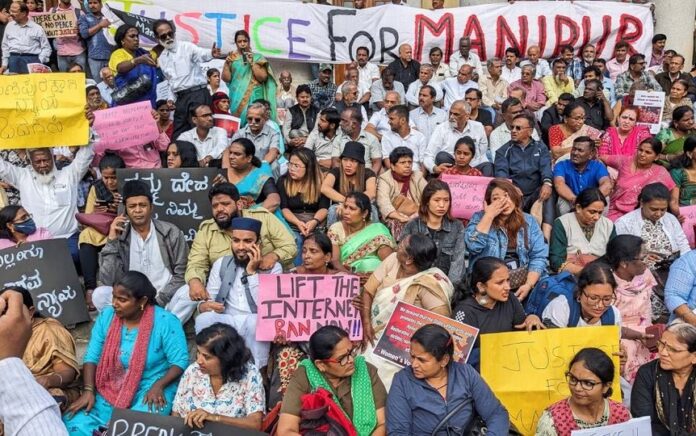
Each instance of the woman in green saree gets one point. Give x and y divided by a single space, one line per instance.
673 137
250 78
359 245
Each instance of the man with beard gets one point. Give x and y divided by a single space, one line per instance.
50 194
180 63
213 241
234 287
137 242
321 139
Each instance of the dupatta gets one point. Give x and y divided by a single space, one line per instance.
244 89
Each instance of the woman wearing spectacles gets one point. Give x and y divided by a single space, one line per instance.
561 136
590 376
334 376
665 389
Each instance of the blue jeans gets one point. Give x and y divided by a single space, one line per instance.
74 250
95 66
65 61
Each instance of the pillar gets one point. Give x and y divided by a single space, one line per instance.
675 18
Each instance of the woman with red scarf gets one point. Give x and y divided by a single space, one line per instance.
134 359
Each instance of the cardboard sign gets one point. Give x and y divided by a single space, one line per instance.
297 305
395 342
57 24
129 423
633 427
126 126
46 270
689 214
651 105
179 196
526 371
468 194
43 110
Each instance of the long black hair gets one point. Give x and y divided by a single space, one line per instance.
225 343
138 286
598 363
436 341
422 250
7 215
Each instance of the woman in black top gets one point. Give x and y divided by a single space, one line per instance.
303 205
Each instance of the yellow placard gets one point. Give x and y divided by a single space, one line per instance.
43 110
526 371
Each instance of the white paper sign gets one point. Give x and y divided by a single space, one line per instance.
651 105
634 427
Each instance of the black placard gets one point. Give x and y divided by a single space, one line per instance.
130 423
46 269
179 196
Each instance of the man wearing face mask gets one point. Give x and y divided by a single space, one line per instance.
180 63
50 194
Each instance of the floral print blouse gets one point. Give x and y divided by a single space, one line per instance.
234 399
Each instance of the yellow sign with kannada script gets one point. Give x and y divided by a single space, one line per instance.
43 110
526 371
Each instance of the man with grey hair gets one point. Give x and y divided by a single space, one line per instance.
535 97
350 130
349 92
363 90
405 68
379 121
465 57
439 154
541 65
107 84
492 85
265 138
285 95
425 77
455 88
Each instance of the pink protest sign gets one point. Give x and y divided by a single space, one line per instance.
689 214
126 126
468 193
296 305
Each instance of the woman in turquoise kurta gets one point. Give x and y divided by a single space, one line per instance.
250 78
134 359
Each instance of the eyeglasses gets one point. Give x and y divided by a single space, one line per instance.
595 299
586 385
166 35
661 345
343 360
518 128
295 165
209 114
254 119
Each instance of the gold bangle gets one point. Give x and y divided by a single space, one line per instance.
88 388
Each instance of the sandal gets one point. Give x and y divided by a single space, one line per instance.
88 300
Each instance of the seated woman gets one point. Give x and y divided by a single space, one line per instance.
464 152
435 220
661 231
359 245
303 205
102 203
252 177
434 386
684 173
182 154
409 276
633 175
215 85
18 227
399 190
590 376
350 176
673 137
333 373
561 136
580 237
623 140
677 98
489 305
663 389
50 354
136 354
502 230
165 123
133 67
223 385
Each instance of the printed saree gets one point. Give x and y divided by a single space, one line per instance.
360 250
244 89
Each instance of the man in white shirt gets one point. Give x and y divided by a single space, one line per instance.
233 285
137 242
23 42
367 72
455 87
210 141
441 70
379 89
321 139
465 57
426 117
402 135
511 72
534 58
440 148
425 77
363 91
180 63
378 124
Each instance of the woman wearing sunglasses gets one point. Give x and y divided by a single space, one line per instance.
334 376
590 376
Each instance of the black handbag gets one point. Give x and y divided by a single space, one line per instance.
133 91
477 426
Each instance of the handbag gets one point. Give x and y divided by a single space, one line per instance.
99 221
405 205
518 277
133 91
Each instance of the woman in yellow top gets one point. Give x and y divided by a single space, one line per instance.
133 67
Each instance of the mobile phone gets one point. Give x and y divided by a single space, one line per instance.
102 202
656 331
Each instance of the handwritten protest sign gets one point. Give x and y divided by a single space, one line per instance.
633 427
468 193
46 270
57 24
43 110
395 342
126 126
689 214
126 422
651 105
179 196
527 370
296 305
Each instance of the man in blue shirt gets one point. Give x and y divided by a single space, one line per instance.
680 290
92 27
581 171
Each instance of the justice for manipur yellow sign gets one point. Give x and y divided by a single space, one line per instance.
526 371
43 110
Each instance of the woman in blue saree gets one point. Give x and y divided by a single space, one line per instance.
250 78
134 359
130 63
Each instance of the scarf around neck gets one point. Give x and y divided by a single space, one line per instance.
405 182
673 413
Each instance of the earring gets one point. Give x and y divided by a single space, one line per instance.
142 308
